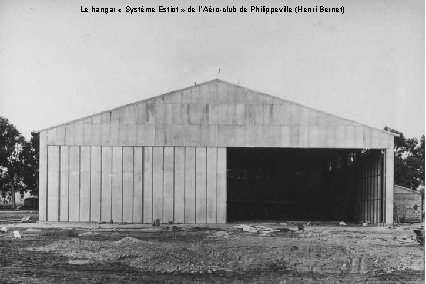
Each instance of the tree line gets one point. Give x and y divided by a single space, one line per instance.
19 161
409 160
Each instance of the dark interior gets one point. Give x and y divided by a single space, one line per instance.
291 184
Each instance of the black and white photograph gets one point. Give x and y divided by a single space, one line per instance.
212 141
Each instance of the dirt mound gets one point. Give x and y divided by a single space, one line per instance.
128 240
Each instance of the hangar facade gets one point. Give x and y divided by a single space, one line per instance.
215 152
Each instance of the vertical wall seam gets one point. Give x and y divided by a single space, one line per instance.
173 184
206 189
68 185
164 173
226 184
100 188
195 182
47 181
384 185
162 191
217 154
79 181
133 184
110 181
143 184
122 185
90 184
184 184
152 184
381 188
59 185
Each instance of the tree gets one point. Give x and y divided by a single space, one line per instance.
409 160
11 166
30 154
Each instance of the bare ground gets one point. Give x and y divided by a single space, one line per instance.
320 254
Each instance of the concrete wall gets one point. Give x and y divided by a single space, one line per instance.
405 203
134 184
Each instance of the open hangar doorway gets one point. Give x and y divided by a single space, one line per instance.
274 184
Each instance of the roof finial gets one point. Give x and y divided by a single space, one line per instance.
218 72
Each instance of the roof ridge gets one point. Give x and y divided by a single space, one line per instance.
208 82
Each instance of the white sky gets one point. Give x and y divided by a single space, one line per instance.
58 64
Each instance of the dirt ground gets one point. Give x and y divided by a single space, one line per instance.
177 253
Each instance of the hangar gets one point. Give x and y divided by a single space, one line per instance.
215 152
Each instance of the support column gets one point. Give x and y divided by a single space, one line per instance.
389 184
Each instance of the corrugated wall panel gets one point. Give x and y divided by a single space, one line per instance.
204 93
179 184
51 136
77 133
250 136
160 114
200 185
211 184
160 135
106 133
85 184
63 204
221 135
173 135
123 137
74 184
96 134
190 185
95 178
95 184
87 131
221 185
60 135
231 94
128 114
114 134
106 184
370 187
138 185
157 182
69 134
128 176
147 185
117 184
146 135
133 134
168 183
53 182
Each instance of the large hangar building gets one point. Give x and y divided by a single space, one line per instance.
215 152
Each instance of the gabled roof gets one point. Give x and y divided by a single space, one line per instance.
261 97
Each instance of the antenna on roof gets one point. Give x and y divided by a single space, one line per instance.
238 81
218 72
